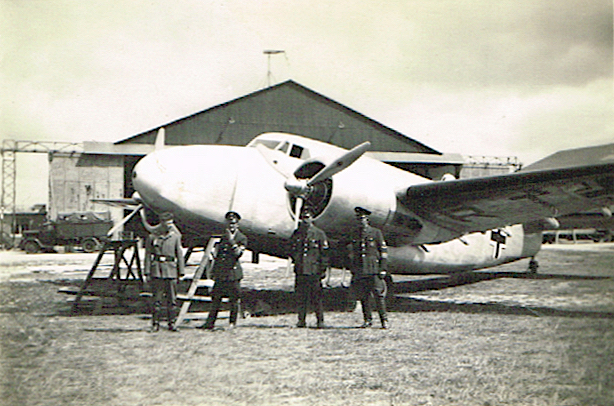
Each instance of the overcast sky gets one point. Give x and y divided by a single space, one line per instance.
476 77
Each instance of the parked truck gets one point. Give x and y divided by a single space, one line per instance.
85 229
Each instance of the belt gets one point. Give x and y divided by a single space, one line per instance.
163 258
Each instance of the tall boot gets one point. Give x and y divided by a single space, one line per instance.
381 309
302 315
320 320
366 313
155 320
170 311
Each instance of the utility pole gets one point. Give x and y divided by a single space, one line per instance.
268 53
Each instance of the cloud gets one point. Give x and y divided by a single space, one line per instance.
476 77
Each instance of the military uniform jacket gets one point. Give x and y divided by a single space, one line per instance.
163 256
227 266
368 252
309 250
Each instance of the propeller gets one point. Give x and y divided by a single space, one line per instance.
300 188
340 163
125 220
135 201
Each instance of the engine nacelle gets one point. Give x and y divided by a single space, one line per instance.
376 193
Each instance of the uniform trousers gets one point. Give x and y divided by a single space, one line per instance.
164 294
368 285
221 289
309 291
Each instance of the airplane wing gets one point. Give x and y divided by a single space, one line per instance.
479 204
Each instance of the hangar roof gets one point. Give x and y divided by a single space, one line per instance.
287 107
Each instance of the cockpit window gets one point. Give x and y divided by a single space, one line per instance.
296 151
271 144
284 147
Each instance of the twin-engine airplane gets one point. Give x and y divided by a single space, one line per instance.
430 226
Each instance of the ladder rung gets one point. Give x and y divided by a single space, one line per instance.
194 298
198 298
196 315
84 299
205 283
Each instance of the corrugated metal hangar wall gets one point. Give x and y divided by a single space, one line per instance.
287 107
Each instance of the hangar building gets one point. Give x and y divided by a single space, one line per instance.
293 108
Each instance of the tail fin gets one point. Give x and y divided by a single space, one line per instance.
160 139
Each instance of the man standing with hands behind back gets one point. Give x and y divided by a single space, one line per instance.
227 272
368 263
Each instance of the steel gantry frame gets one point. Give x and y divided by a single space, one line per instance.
10 148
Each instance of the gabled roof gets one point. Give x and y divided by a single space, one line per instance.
415 146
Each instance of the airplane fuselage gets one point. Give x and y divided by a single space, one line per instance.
199 184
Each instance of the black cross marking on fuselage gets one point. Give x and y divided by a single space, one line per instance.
499 239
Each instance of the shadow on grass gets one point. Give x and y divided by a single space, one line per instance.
263 302
115 330
468 278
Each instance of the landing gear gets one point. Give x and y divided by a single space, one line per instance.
533 266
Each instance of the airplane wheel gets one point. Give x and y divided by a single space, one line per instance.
31 247
90 245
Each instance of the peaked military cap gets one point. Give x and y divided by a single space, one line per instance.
232 215
361 211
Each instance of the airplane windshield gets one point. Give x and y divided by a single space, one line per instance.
293 150
284 147
271 144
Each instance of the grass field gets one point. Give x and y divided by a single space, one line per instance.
442 349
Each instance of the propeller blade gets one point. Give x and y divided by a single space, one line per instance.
125 202
297 210
340 163
297 215
124 220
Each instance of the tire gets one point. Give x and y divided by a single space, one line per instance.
90 245
31 247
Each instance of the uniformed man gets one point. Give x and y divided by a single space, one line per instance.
227 272
164 264
368 256
309 252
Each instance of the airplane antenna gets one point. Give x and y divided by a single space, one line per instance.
268 53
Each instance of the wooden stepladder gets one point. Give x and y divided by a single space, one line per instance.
113 285
204 269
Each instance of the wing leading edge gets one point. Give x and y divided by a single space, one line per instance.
472 205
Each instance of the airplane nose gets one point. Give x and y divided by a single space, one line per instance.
198 179
146 177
